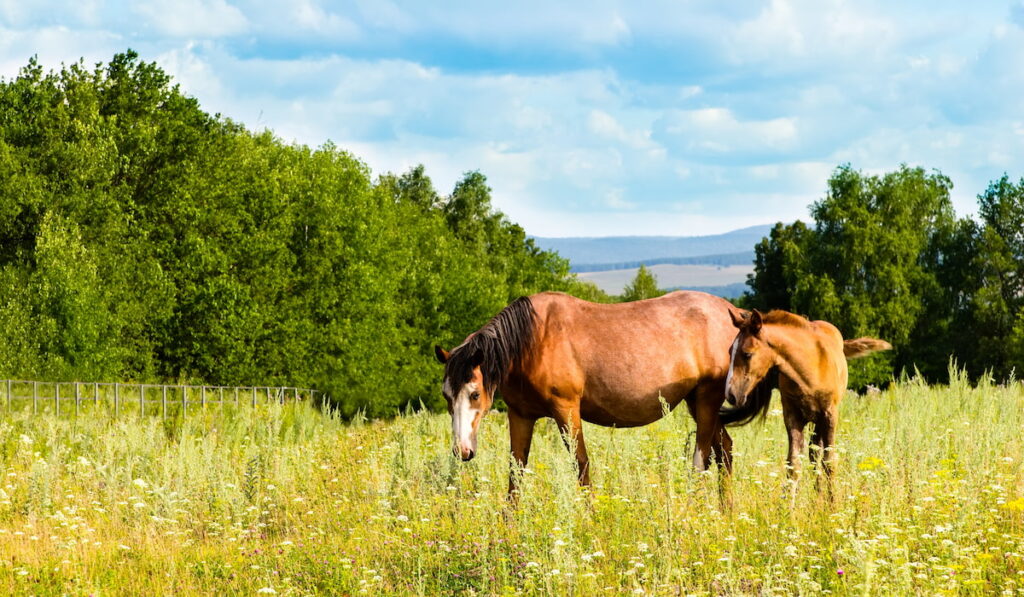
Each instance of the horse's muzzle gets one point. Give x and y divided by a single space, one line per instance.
466 454
737 400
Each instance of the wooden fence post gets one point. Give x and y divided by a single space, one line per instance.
117 399
35 397
56 397
78 398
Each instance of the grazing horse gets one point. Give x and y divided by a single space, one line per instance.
554 355
809 358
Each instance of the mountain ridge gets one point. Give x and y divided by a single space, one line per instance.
601 250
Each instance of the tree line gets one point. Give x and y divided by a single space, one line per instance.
142 238
887 256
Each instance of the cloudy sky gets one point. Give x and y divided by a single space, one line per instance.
591 118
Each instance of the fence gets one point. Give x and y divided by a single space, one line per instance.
64 396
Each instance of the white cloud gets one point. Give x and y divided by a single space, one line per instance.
711 132
193 18
595 119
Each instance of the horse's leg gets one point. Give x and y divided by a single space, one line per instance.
723 449
710 436
795 424
520 431
825 427
571 427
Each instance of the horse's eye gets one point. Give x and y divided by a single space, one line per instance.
748 355
474 396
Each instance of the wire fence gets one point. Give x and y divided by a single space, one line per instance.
69 397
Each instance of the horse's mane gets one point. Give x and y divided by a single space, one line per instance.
498 346
780 317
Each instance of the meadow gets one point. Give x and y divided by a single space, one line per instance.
286 500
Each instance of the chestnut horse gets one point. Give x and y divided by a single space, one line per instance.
554 355
810 360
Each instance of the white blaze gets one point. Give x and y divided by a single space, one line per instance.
463 414
732 359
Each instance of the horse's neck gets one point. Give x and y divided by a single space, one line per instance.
799 350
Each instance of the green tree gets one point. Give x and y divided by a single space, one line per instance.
643 286
869 265
142 238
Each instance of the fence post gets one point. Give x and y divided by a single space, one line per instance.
269 400
78 398
35 397
142 400
95 393
184 401
117 399
254 396
203 394
10 404
220 392
163 403
56 396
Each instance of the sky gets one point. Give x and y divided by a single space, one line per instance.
591 118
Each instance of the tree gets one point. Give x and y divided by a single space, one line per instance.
869 265
643 286
142 238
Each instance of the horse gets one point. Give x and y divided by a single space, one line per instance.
809 359
554 355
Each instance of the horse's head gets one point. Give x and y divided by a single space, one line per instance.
467 396
750 358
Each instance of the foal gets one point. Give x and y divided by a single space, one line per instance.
810 360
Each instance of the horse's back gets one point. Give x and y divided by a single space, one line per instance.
620 358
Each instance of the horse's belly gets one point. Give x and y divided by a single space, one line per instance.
632 406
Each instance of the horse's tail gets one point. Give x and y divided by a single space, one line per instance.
756 405
854 349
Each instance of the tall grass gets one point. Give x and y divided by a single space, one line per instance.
929 498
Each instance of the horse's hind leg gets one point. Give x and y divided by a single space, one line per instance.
723 449
571 427
711 436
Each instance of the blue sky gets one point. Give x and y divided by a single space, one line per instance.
592 118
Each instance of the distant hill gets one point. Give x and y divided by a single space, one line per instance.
743 258
582 251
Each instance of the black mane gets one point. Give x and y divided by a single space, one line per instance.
496 347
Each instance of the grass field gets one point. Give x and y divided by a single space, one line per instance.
283 500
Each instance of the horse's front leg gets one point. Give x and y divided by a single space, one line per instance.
825 430
795 426
571 427
520 431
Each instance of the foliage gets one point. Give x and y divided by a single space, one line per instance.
887 257
929 497
643 286
142 238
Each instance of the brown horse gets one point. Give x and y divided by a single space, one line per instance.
553 355
810 360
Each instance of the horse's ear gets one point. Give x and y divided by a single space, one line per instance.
441 354
755 322
739 318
